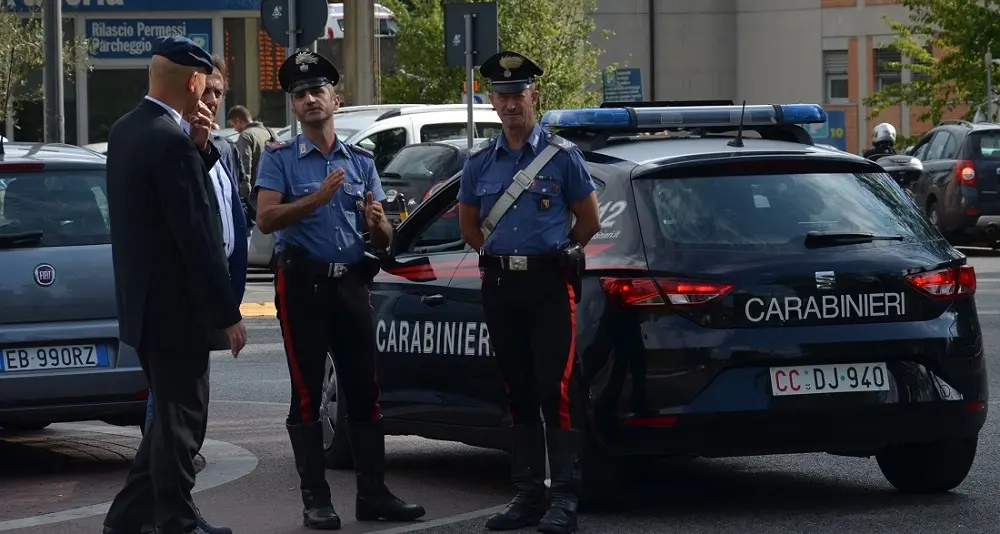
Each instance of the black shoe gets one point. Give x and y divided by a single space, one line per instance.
307 444
374 500
564 464
527 460
209 529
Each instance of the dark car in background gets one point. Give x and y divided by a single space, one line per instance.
416 168
958 190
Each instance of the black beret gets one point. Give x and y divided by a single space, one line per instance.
305 70
183 51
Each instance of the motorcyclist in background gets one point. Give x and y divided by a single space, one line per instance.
883 140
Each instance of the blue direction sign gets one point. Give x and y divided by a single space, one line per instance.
833 132
133 38
623 85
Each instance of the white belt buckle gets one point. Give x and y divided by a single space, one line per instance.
336 270
517 263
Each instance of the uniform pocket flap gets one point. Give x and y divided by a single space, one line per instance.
488 188
301 190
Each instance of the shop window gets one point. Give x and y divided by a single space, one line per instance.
112 93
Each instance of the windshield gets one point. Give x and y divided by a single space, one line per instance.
773 210
423 162
986 145
68 207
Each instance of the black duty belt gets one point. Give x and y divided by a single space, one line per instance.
318 269
521 263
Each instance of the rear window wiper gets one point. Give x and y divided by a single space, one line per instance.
816 239
21 239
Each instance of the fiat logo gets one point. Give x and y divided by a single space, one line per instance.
45 275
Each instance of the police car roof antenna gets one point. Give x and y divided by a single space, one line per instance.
738 141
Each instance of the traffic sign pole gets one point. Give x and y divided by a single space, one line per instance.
292 45
469 73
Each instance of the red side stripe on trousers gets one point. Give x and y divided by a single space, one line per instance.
305 406
376 407
564 418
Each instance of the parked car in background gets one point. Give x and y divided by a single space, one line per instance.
958 190
60 358
417 168
100 148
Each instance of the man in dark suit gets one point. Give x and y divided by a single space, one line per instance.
234 228
175 298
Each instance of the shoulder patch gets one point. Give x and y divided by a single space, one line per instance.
360 150
562 143
277 145
482 146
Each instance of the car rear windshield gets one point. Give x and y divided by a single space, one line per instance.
68 207
773 210
986 145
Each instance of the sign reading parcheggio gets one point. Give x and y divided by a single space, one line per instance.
133 38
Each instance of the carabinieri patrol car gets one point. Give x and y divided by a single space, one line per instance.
749 293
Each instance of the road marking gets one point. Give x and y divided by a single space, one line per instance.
224 463
257 309
253 403
434 523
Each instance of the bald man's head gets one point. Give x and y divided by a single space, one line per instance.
182 84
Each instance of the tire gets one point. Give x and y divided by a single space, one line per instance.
333 416
602 477
935 467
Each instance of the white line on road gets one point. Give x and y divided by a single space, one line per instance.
434 523
224 463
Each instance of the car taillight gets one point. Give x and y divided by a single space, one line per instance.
946 283
662 291
21 167
965 172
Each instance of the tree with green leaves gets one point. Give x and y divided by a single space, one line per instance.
22 53
555 34
961 32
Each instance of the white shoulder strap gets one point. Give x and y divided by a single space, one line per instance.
522 182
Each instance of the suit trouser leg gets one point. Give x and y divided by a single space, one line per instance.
163 474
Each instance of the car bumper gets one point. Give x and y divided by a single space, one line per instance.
860 431
115 394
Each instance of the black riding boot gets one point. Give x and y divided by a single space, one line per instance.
307 444
527 462
564 467
374 500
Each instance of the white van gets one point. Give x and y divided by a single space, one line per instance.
385 26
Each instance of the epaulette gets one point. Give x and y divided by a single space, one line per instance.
482 146
277 145
562 143
360 150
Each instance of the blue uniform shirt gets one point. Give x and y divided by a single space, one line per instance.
296 169
538 222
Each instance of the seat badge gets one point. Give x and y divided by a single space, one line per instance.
544 204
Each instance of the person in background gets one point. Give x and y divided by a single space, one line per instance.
254 136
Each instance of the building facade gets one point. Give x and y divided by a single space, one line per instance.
765 51
115 77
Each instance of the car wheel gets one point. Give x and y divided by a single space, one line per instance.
935 467
602 477
333 415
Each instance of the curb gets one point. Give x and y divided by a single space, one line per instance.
224 463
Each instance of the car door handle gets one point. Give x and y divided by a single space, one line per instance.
432 300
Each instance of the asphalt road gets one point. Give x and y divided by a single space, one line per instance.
70 467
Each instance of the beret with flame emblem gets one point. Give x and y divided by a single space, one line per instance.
510 72
305 70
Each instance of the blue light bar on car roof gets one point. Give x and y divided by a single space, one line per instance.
683 117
